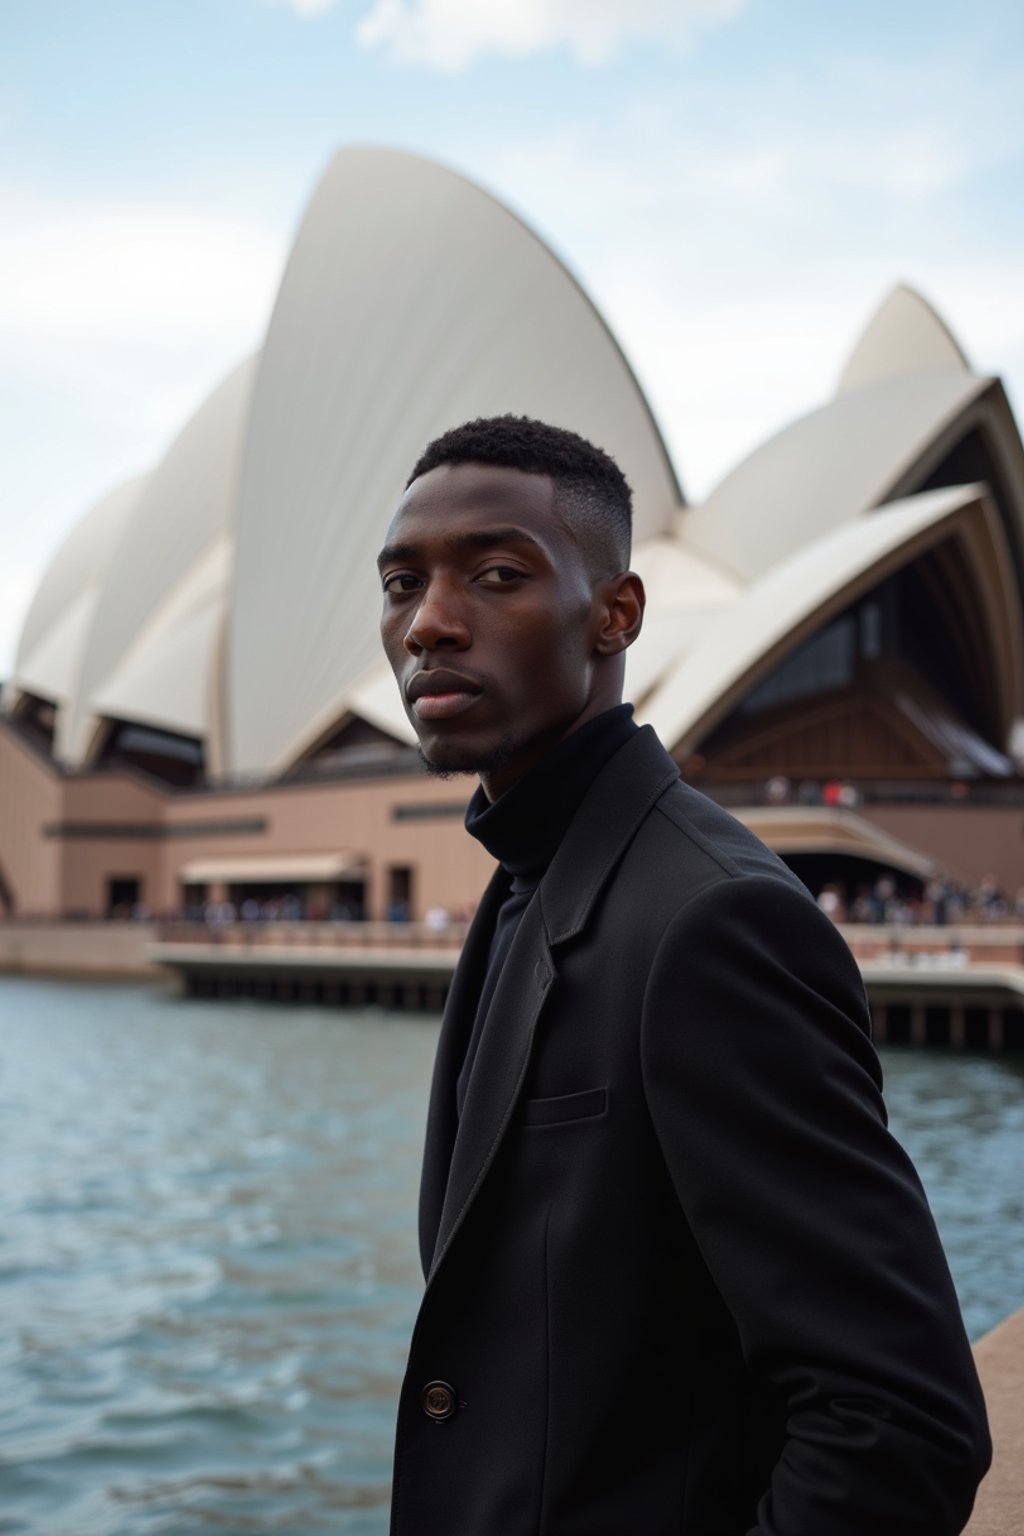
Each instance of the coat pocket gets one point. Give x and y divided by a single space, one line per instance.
566 1107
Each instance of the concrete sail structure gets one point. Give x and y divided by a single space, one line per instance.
799 595
229 599
61 616
841 497
906 402
183 514
412 301
842 460
166 676
848 600
904 335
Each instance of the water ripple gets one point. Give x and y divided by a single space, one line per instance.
207 1265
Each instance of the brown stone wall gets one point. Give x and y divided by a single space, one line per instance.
53 876
101 800
450 869
68 873
30 799
78 949
971 841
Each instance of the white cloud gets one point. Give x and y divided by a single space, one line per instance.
128 306
98 271
449 35
737 253
116 319
311 7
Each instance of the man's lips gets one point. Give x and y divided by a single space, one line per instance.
437 695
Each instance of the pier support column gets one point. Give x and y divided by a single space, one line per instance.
996 1029
918 1028
957 1026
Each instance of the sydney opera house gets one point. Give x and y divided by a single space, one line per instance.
198 709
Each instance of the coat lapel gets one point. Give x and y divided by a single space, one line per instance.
498 1071
459 1013
459 1153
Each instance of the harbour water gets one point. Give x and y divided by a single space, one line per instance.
207 1260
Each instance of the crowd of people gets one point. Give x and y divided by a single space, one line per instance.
834 792
942 901
294 908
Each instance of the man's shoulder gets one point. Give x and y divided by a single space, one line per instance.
688 843
646 845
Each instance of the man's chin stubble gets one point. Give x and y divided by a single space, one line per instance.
480 762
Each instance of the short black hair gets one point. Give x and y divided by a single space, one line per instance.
592 495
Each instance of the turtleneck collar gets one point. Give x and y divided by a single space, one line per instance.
523 827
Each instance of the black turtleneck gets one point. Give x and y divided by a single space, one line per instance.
522 830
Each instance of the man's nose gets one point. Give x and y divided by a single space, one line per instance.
438 623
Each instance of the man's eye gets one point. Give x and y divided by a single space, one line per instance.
401 581
501 575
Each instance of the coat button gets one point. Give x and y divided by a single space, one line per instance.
438 1401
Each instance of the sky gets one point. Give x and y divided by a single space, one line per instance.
737 184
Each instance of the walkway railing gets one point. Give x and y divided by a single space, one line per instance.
314 935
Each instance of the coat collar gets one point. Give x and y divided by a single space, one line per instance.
599 833
459 1153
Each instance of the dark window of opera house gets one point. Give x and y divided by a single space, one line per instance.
174 760
881 689
36 720
351 747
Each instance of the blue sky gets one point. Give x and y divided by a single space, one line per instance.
736 182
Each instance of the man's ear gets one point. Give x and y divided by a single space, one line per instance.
621 613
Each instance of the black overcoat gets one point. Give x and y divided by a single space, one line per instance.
681 1281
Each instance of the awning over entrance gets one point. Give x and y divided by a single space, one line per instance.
824 829
274 869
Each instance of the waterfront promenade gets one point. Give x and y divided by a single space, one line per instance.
960 986
1000 1358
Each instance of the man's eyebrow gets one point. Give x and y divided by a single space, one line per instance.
488 538
482 538
392 552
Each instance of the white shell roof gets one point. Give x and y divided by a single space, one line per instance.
81 561
906 383
57 625
685 593
165 677
230 595
51 669
793 598
412 302
182 513
375 699
904 335
827 467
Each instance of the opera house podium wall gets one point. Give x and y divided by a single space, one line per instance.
95 844
833 645
81 838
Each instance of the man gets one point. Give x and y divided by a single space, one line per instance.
679 1277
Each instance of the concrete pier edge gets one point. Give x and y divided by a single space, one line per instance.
999 1356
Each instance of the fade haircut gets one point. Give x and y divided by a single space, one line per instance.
592 495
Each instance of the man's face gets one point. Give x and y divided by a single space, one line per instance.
489 620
